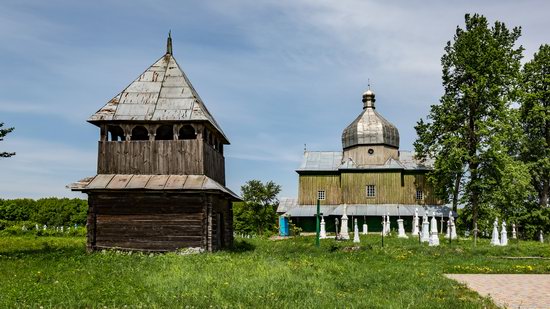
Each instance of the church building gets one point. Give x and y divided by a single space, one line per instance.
370 176
160 183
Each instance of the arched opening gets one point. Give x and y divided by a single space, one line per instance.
115 133
210 139
205 135
164 133
140 133
187 132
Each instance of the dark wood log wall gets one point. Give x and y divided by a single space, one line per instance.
222 223
158 221
173 157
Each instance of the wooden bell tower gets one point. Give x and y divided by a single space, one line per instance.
160 182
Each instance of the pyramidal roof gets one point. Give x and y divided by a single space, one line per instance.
161 93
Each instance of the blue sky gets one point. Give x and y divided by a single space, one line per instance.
275 74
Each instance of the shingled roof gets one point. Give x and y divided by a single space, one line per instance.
151 183
161 93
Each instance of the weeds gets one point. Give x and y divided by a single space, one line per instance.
57 272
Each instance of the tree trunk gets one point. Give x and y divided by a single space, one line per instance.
545 181
474 194
473 162
543 202
455 191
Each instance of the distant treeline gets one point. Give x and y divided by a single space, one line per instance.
46 211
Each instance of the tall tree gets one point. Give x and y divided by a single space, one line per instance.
535 118
258 212
480 71
4 132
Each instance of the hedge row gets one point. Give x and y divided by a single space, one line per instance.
51 212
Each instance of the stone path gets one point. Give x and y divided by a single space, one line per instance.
510 291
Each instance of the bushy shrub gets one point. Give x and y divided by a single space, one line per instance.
20 228
22 216
49 211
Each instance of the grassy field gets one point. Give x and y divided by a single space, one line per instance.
56 272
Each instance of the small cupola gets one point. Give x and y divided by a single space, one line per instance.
368 99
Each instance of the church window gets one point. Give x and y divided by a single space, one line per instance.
371 151
371 190
419 194
140 133
321 195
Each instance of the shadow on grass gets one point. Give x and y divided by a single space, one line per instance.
44 248
240 246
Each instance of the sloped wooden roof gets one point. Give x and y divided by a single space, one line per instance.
151 182
161 93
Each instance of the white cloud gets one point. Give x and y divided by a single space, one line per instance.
42 169
275 74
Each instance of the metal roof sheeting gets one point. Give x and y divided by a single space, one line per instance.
370 128
291 208
161 93
321 161
310 211
332 161
285 204
150 182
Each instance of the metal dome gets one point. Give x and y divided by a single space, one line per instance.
370 128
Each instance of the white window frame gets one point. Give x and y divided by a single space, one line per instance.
370 190
321 195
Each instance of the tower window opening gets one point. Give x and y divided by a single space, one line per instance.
206 135
210 139
164 133
187 132
116 134
140 133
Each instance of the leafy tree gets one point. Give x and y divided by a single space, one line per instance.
49 211
535 118
447 176
4 132
257 213
466 130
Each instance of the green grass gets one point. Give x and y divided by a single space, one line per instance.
57 272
